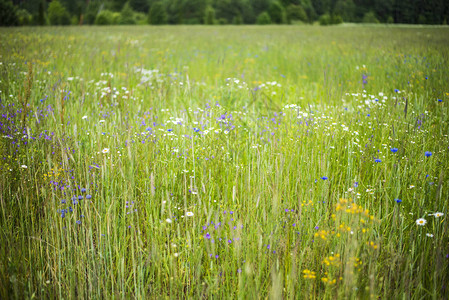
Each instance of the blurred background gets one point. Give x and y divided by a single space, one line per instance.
210 12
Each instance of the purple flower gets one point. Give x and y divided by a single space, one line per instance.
88 196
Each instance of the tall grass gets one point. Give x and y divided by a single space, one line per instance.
228 162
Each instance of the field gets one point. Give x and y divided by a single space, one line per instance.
297 162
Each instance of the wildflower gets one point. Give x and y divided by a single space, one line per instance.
394 150
84 117
439 100
396 90
168 220
83 190
398 200
78 222
428 153
176 254
105 150
88 196
421 222
377 160
189 214
324 178
437 214
429 235
24 166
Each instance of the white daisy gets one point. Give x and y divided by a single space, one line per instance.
24 166
84 117
168 221
105 150
429 235
421 222
189 214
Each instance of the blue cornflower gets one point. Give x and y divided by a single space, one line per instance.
88 196
80 197
428 153
78 222
207 236
324 178
394 150
63 201
377 160
83 190
396 90
398 200
440 100
169 130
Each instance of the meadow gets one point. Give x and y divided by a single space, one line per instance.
296 162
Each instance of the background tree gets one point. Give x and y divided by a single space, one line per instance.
209 15
296 12
57 14
41 13
263 19
174 11
105 17
127 15
157 14
277 13
8 14
140 5
345 9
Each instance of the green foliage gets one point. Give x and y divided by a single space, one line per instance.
105 17
345 9
91 12
264 19
24 17
140 5
222 21
370 17
57 13
127 15
209 16
41 14
277 13
325 20
157 14
237 20
330 20
296 12
8 14
140 18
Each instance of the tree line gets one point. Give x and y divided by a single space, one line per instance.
158 12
